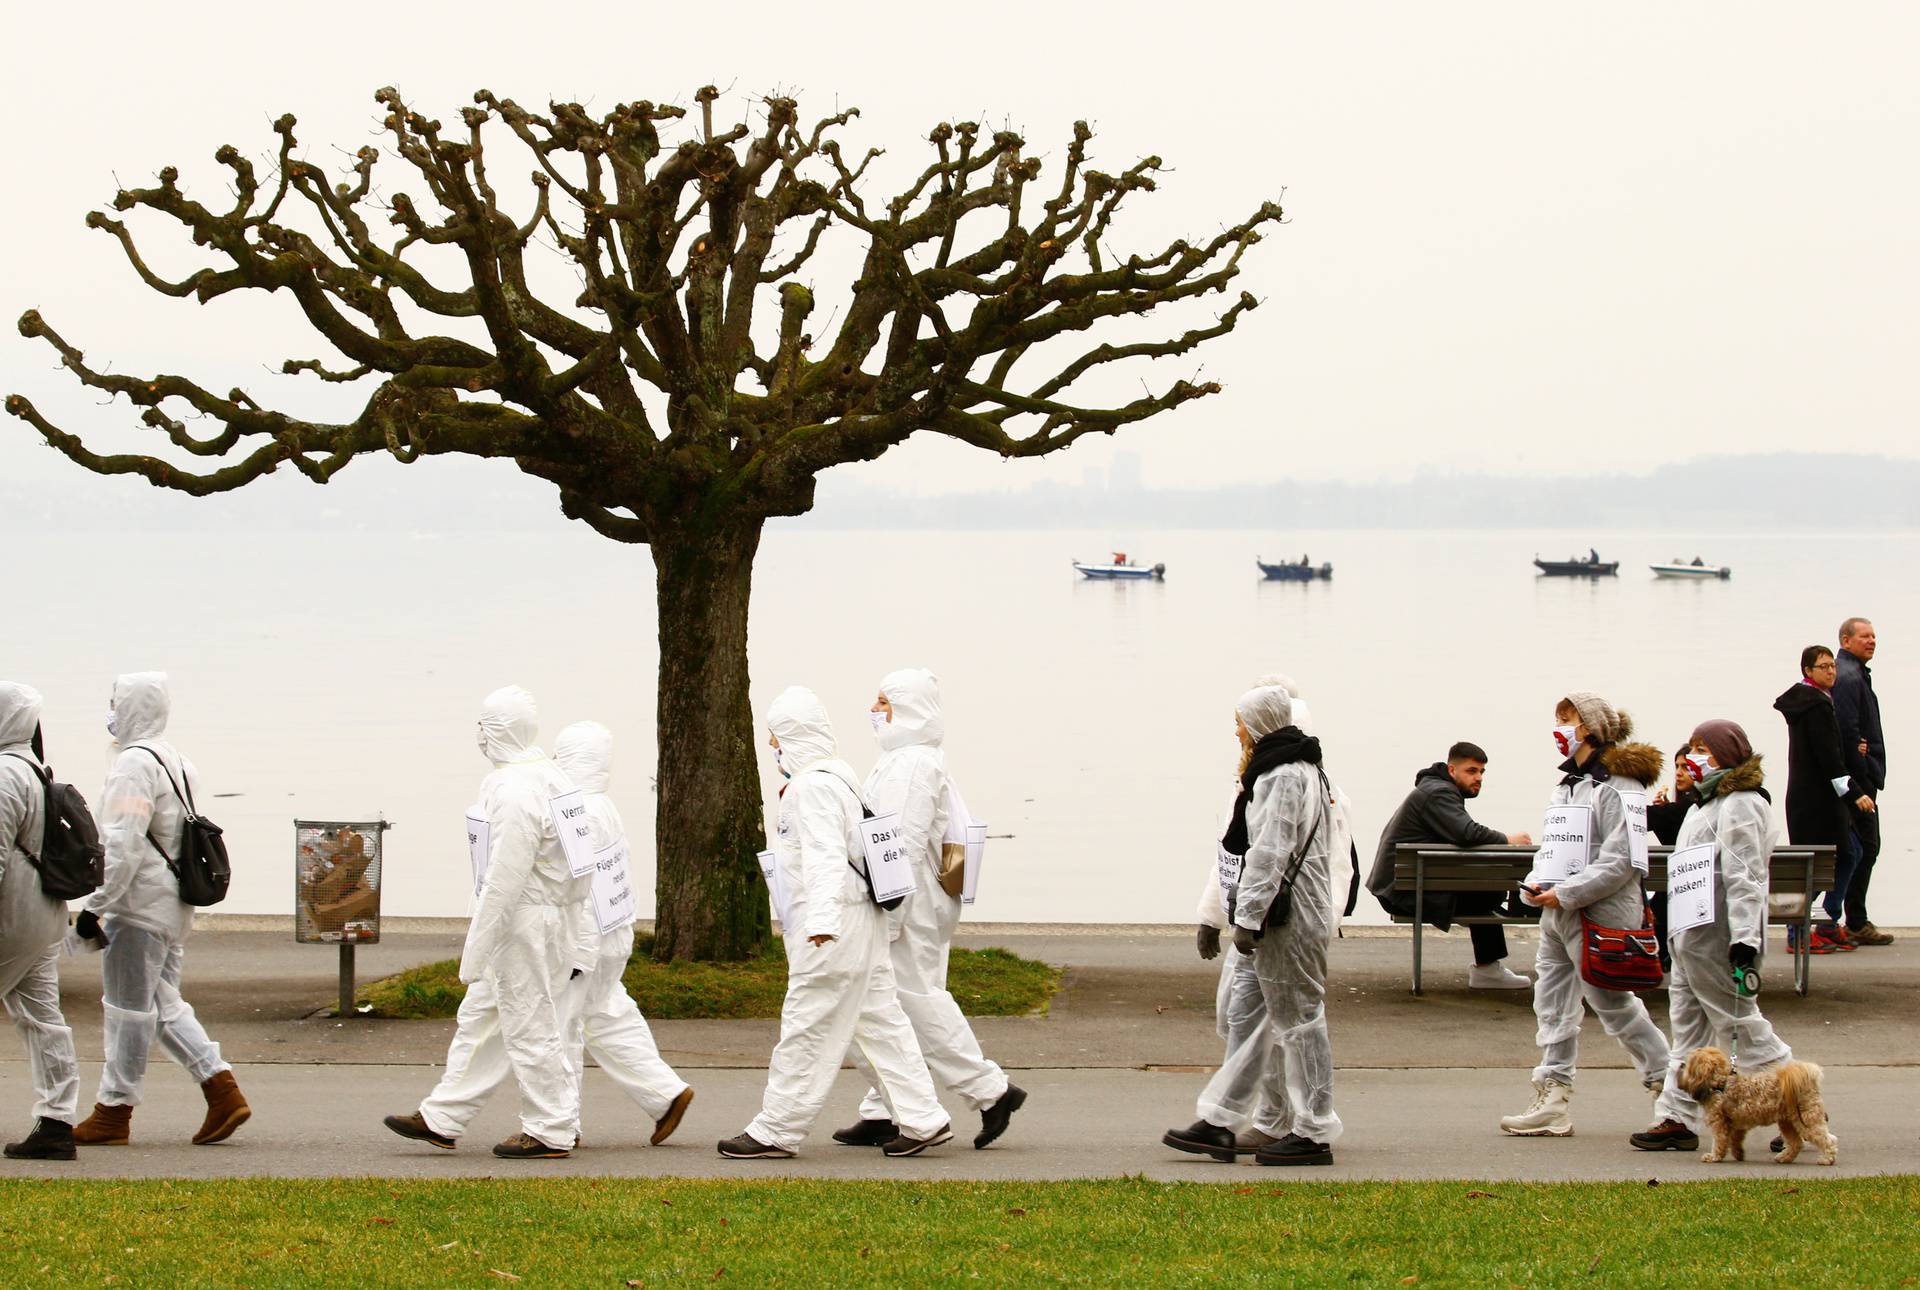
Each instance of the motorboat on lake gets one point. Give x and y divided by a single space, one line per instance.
1590 567
1301 571
1697 568
1120 567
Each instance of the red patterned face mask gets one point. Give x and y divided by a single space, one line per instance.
1565 739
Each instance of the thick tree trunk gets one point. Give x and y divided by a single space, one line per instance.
712 902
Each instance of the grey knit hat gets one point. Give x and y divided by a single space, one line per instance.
1604 723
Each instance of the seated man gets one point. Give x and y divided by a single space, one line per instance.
1435 813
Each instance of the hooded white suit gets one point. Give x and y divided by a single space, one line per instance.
911 778
606 1020
521 945
139 903
840 993
31 922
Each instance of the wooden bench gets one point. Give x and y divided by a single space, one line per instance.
1797 875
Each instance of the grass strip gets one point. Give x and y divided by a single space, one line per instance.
652 1232
987 983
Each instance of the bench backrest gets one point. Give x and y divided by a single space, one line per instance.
1795 869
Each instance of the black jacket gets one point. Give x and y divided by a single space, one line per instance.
1815 813
1665 818
1858 710
1434 812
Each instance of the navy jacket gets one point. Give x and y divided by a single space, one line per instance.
1858 709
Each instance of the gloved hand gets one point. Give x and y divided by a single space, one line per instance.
1244 940
1742 956
1209 942
577 974
87 927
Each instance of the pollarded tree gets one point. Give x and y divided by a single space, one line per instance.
680 400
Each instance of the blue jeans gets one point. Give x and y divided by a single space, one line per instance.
1846 858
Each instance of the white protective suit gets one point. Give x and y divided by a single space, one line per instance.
911 778
523 942
841 993
1608 891
32 923
138 904
1703 1007
605 1020
1287 817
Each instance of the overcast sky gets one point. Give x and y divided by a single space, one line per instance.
1523 237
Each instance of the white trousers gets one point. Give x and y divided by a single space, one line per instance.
30 989
1235 1097
1705 1011
922 931
841 995
1291 965
606 1022
512 1022
140 1000
1557 994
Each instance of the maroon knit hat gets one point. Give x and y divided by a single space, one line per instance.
1726 741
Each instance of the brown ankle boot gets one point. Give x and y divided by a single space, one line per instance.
108 1126
227 1110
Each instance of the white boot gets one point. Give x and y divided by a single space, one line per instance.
1547 1117
1496 976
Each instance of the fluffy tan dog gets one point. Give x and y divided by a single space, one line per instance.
1787 1096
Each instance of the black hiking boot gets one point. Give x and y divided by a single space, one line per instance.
1668 1135
867 1133
748 1147
50 1140
994 1120
905 1146
1202 1139
1294 1150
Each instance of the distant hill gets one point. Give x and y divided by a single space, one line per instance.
1790 491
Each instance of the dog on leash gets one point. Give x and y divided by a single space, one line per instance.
1787 1096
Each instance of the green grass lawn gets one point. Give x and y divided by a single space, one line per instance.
644 1232
988 983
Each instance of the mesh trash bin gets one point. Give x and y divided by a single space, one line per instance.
336 882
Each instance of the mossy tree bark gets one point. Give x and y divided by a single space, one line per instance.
679 398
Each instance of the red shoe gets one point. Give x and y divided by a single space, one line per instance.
1823 942
1842 939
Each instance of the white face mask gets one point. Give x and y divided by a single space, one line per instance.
879 720
1700 765
780 764
1565 739
113 724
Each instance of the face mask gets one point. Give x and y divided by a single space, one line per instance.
880 720
1565 740
113 724
1700 765
780 764
480 738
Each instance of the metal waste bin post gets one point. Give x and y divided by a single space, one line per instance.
336 889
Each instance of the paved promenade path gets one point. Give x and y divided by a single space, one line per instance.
1125 1049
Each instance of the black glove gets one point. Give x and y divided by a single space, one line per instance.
1244 940
1209 942
87 927
1742 956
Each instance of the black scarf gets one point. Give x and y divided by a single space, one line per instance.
1283 747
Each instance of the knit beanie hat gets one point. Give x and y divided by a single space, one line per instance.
1726 741
1605 725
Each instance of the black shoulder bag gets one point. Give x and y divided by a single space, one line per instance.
201 868
1281 910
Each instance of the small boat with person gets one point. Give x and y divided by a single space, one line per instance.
1302 571
1592 566
1121 568
1695 569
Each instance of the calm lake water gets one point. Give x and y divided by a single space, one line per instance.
336 676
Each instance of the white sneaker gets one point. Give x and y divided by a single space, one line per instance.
1496 976
1548 1116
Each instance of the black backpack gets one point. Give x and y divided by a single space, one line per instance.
201 868
72 863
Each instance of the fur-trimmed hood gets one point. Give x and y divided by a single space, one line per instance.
1747 777
1634 761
